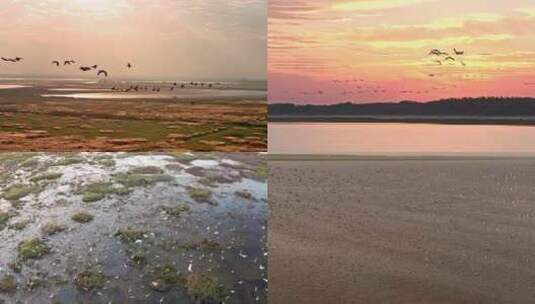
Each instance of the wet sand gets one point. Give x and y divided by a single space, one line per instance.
448 230
133 228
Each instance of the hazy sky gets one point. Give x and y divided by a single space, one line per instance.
377 50
162 38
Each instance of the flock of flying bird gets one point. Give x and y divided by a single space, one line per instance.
441 57
446 57
129 65
68 62
87 68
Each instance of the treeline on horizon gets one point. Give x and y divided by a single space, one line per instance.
480 106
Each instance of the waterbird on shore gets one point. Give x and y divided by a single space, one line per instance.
102 72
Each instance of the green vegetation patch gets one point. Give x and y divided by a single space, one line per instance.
98 191
5 217
46 176
205 289
82 217
201 195
69 160
52 228
8 284
130 235
17 191
89 280
165 277
177 211
146 170
32 249
136 180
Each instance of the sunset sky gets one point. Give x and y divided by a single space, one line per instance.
377 50
162 38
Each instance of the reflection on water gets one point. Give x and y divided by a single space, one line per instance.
399 138
179 94
11 86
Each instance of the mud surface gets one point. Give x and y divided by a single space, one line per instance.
412 231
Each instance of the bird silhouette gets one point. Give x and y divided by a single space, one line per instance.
18 58
68 62
102 72
437 52
85 69
458 52
55 62
449 58
10 59
94 66
129 65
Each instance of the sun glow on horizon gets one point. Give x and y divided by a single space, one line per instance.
322 47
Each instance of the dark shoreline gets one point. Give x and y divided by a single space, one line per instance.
515 121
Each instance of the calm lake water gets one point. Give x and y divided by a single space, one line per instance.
400 138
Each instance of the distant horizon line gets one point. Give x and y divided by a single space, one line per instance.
399 101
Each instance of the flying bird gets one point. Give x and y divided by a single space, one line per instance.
437 52
449 58
458 52
55 62
102 72
18 58
85 69
68 62
94 66
129 65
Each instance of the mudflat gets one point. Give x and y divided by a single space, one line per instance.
447 230
46 115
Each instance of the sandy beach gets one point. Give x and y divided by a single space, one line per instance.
366 230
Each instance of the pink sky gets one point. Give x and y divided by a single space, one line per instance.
377 50
163 38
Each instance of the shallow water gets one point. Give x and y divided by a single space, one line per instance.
175 94
236 223
400 138
11 86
